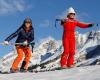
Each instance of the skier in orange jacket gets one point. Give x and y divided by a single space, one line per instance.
68 40
25 35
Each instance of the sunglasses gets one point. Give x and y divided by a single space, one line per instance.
71 14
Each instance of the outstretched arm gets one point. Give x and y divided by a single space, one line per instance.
83 25
13 35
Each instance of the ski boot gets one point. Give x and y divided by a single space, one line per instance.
64 67
71 66
22 69
14 70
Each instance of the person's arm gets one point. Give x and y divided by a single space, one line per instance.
13 35
84 25
31 38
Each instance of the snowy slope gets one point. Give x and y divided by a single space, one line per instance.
80 73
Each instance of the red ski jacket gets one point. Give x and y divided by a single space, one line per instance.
70 25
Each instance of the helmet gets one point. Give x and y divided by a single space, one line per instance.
28 20
71 10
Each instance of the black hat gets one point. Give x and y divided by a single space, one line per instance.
28 20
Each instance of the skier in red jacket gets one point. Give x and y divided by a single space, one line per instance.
68 40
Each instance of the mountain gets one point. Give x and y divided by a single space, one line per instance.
48 52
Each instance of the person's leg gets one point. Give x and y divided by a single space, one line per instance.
25 63
71 52
18 58
65 53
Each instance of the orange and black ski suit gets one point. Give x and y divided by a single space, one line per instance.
22 36
68 41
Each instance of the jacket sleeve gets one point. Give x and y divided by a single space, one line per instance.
82 25
13 35
31 38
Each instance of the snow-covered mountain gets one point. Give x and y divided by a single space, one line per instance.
90 49
49 50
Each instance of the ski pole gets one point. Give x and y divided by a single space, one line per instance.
58 20
11 43
32 43
96 24
1 43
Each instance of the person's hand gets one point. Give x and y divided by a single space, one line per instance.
91 25
63 21
6 43
25 43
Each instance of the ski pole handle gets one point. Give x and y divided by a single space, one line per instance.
60 19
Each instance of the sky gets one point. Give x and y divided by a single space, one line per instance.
43 14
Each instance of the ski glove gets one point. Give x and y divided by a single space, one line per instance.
25 43
63 21
6 43
91 25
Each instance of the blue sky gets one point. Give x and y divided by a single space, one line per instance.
43 14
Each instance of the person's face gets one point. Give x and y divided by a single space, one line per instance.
72 16
27 24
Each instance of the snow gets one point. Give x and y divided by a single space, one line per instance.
78 73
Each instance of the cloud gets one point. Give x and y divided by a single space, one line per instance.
45 23
11 6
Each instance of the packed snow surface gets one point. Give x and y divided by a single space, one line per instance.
78 73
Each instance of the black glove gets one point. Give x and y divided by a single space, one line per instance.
63 21
91 25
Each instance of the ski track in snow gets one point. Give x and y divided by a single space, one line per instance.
79 73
